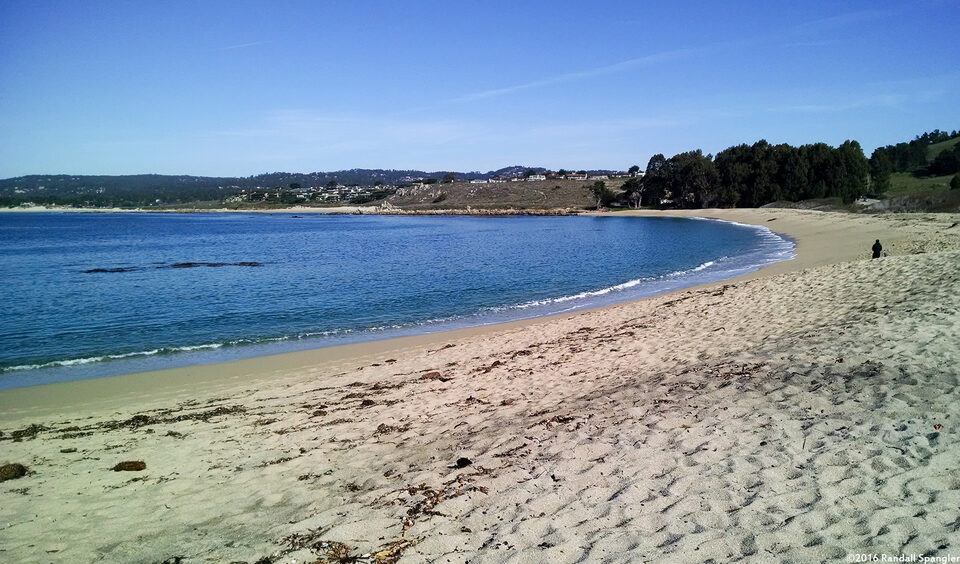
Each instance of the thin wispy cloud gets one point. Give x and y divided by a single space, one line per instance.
648 60
846 19
243 45
806 44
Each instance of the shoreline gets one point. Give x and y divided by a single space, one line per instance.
719 421
468 324
810 250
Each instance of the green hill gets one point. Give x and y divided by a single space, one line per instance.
937 148
914 184
544 194
905 184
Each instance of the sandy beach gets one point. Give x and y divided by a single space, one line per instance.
801 413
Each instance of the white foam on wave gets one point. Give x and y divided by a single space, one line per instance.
608 290
102 358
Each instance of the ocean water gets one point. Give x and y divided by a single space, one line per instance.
88 295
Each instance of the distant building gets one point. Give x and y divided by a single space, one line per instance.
478 181
534 177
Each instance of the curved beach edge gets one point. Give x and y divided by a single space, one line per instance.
820 238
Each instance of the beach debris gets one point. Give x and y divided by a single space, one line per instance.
12 471
431 498
340 421
330 552
141 420
335 552
68 450
392 551
173 560
435 375
511 451
938 426
489 367
367 403
385 386
473 401
462 462
383 429
29 432
280 460
130 466
76 435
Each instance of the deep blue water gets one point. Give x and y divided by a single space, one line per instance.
324 280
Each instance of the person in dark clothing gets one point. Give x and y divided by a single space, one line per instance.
877 247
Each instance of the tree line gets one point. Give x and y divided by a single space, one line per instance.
912 156
755 175
751 175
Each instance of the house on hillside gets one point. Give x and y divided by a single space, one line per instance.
535 177
478 181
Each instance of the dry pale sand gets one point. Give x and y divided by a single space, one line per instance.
798 414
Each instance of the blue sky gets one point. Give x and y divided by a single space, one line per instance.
239 88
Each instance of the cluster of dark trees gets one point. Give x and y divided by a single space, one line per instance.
751 175
912 157
947 162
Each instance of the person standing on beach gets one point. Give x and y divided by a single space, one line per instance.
877 247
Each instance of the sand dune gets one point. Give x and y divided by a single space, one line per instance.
802 413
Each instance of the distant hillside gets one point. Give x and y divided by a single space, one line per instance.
934 150
158 190
543 194
916 175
